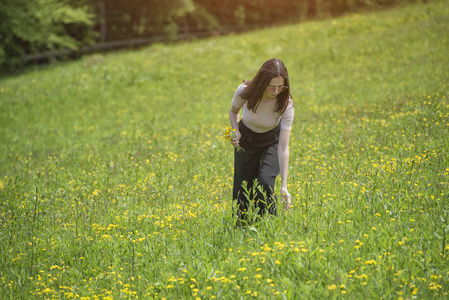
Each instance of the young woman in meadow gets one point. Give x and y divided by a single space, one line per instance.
263 133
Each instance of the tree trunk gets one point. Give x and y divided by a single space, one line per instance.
186 28
311 9
103 21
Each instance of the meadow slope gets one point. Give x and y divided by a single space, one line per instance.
114 182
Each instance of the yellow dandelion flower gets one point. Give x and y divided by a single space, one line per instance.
229 133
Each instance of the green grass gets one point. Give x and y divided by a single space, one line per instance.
115 182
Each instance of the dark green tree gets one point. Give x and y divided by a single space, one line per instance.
31 26
127 19
253 12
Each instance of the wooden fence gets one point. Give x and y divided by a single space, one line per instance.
127 44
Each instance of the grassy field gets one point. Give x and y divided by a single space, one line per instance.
115 182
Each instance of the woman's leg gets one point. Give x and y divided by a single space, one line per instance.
269 170
246 169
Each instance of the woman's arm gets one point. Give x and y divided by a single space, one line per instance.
234 119
284 154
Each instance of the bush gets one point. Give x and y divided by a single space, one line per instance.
28 27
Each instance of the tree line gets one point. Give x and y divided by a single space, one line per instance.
35 26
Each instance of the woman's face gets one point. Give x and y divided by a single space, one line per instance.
274 88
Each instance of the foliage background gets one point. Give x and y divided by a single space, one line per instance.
31 27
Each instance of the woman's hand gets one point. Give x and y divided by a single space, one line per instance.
236 141
285 197
234 119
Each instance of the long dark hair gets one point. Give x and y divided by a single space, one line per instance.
254 92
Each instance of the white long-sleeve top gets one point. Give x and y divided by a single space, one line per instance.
265 118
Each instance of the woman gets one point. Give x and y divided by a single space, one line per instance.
264 134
